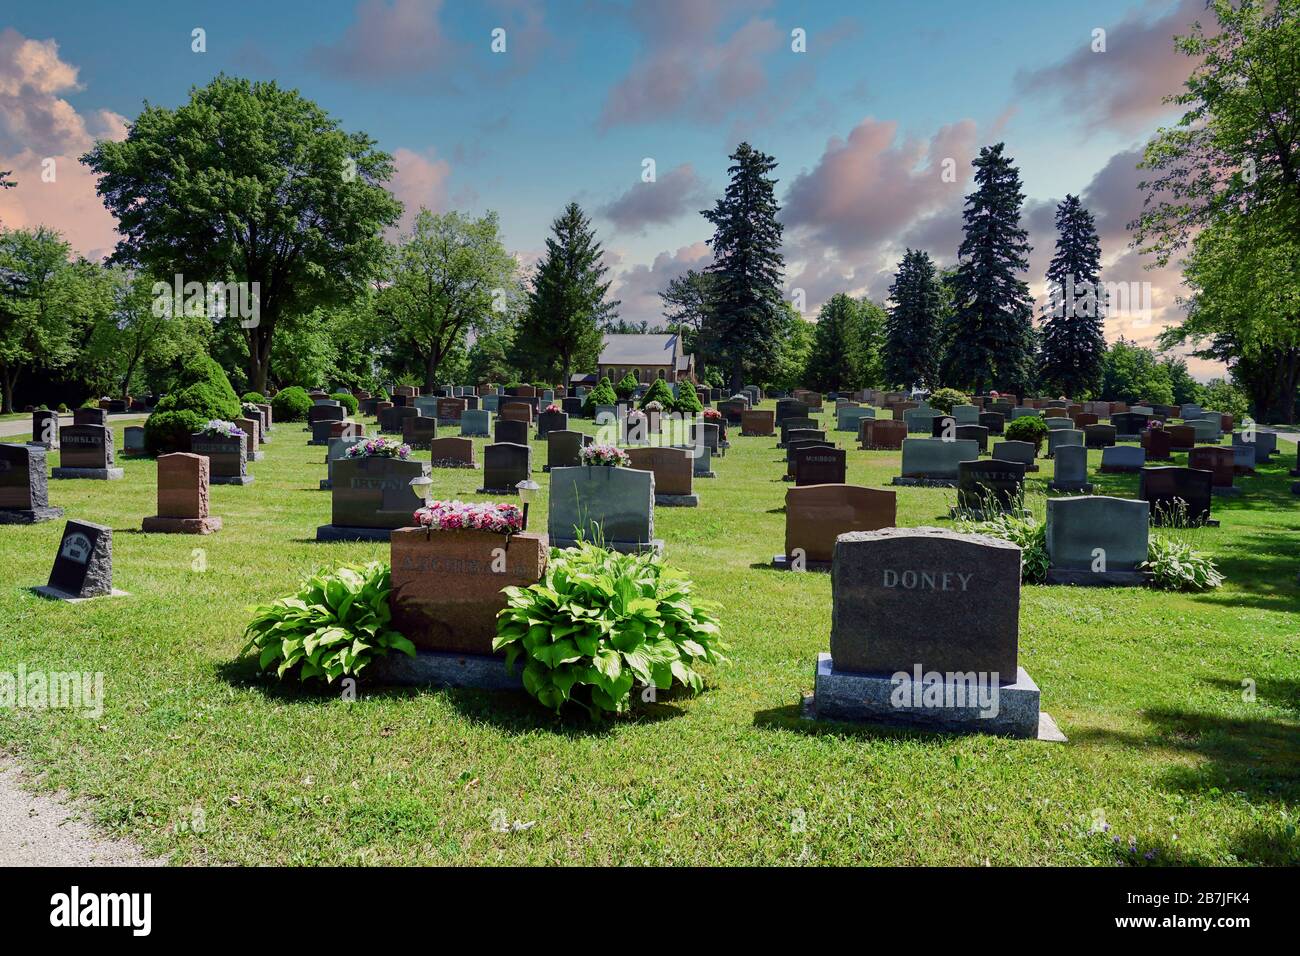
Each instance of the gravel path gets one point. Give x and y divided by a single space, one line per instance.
40 830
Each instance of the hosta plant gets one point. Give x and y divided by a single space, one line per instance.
600 622
1023 529
1177 566
335 625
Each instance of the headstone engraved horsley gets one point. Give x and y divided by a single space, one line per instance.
86 451
925 633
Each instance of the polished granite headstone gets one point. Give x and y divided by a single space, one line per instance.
24 490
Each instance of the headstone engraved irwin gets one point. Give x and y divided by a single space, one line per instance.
83 567
925 632
371 496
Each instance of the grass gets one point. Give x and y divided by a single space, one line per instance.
1164 746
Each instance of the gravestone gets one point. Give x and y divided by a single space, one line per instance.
989 485
803 434
86 451
1022 452
133 440
673 472
701 459
794 424
227 456
371 496
516 412
925 632
1243 459
450 410
329 411
571 406
24 489
391 419
251 427
1062 438
920 421
820 466
734 411
847 418
1181 437
1157 445
90 416
934 461
1177 495
1083 420
1023 411
1219 461
760 422
1129 425
881 434
1097 540
548 422
993 421
505 464
976 433
510 431
1060 423
418 431
1204 430
452 452
1123 458
426 405
491 403
966 414
612 507
182 497
83 567
45 429
562 448
476 423
815 515
1099 436
1190 412
1071 470
337 449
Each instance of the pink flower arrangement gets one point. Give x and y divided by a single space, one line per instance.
483 516
379 448
712 415
553 408
606 454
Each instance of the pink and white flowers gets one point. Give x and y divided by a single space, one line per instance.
480 516
552 408
604 454
379 448
712 415
218 428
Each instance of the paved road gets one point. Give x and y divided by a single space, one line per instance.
23 426
40 830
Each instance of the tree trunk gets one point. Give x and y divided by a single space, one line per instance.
7 382
430 371
565 364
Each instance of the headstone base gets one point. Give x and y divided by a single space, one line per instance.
623 547
926 482
453 463
326 484
497 491
444 669
1225 491
98 474
1084 486
335 532
55 594
845 695
782 562
1100 579
1134 438
1120 469
705 474
231 480
677 501
157 524
29 515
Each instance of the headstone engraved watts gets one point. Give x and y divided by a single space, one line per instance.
925 632
1071 470
182 497
86 451
989 485
1177 495
673 472
609 506
83 567
815 515
1097 541
371 496
24 491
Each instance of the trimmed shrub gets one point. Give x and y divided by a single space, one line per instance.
945 398
627 387
347 400
256 398
1030 428
688 400
291 405
658 392
166 432
602 394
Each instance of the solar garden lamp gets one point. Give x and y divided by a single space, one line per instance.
527 488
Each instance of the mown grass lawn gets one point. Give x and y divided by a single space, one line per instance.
197 757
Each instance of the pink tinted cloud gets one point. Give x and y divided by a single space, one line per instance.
638 286
1124 85
672 195
420 179
389 39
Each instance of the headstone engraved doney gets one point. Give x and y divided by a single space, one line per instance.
934 460
505 465
83 567
673 472
370 497
1097 541
86 451
925 632
815 515
24 491
609 506
1071 470
1177 495
562 448
182 497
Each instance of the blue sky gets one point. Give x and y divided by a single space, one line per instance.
587 89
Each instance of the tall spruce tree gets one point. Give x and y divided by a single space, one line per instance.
993 334
567 308
831 362
914 327
1072 342
747 268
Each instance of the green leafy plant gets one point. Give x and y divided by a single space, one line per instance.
945 398
602 394
688 400
166 432
1020 528
626 388
347 400
658 392
203 391
1028 428
255 398
1176 566
291 404
600 621
334 626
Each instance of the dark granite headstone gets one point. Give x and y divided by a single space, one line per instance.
990 484
505 464
510 432
1177 494
815 465
562 448
24 490
83 567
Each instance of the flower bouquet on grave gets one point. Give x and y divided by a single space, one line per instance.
251 410
712 415
379 447
217 428
481 516
604 455
552 408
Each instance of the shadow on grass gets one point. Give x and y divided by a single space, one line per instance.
1259 758
790 718
1263 565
